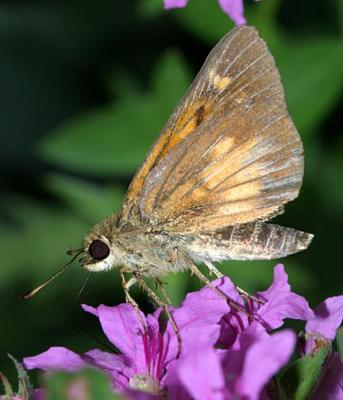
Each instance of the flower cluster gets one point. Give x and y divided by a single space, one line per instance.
227 352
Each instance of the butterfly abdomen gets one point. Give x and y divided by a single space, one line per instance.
253 241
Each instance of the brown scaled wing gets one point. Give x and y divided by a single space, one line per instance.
229 154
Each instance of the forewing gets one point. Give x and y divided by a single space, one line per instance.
229 154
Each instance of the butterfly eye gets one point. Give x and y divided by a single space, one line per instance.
98 250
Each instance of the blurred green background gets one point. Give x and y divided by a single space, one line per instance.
85 88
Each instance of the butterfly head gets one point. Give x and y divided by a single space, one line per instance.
101 251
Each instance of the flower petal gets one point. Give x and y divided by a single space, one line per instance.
234 9
174 4
328 318
56 358
201 373
198 317
117 366
233 359
206 306
281 303
262 360
331 385
123 328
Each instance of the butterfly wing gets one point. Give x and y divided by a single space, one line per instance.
229 154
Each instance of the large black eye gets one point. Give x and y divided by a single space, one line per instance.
98 250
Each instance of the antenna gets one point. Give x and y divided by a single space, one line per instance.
34 291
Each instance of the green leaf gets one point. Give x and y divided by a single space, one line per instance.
116 138
312 73
150 8
90 383
298 381
94 202
339 341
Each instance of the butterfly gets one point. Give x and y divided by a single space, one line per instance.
226 162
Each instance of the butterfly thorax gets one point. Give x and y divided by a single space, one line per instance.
134 249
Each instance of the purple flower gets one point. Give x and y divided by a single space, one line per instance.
147 355
248 356
228 348
327 318
322 327
233 8
275 305
241 372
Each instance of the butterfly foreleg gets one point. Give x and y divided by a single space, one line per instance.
126 285
164 304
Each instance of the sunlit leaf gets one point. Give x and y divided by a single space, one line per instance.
92 201
114 139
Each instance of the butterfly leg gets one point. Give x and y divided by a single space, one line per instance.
242 292
129 299
203 278
126 287
141 282
213 269
248 296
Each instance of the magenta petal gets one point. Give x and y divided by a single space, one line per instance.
234 9
205 307
117 366
107 361
281 303
201 373
123 328
328 318
90 309
56 358
198 317
263 359
174 4
233 359
331 385
176 390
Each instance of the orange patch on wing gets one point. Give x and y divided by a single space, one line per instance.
188 121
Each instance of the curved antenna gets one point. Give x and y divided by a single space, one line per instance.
34 291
